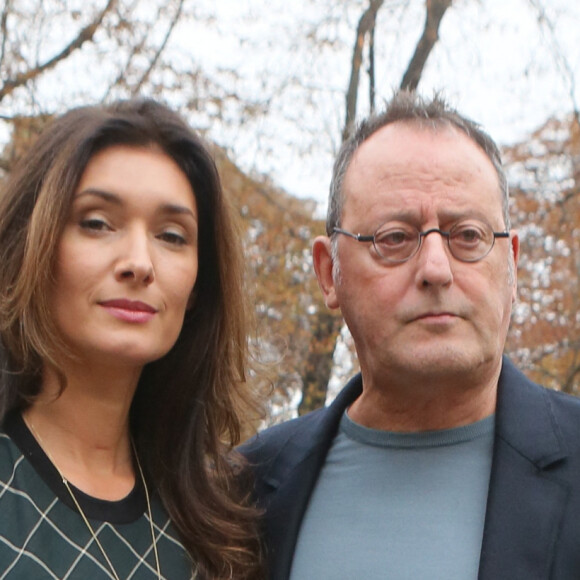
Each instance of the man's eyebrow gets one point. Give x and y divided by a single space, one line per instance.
169 208
464 215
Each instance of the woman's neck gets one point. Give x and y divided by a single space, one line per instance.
85 430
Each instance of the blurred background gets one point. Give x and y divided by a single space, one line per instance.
275 86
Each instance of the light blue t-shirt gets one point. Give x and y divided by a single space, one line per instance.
398 506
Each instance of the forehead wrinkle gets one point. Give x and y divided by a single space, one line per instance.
439 133
381 176
424 174
397 179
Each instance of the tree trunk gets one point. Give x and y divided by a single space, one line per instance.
435 10
372 70
318 365
365 25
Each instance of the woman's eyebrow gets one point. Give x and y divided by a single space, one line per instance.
172 208
169 208
105 195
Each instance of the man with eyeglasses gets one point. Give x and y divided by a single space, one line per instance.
440 460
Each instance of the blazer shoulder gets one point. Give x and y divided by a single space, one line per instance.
543 424
299 435
266 444
566 409
563 400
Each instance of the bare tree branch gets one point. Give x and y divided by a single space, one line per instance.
86 34
365 25
435 10
559 57
134 49
3 29
161 48
372 69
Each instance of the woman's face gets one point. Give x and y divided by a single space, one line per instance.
128 258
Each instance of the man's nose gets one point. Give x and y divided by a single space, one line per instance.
434 260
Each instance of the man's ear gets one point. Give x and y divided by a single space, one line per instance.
515 242
322 259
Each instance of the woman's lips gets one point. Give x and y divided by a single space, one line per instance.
129 310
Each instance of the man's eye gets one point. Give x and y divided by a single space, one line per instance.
394 238
468 235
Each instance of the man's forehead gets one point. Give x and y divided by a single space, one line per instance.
388 139
412 160
410 146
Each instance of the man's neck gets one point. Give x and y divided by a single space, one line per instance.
424 405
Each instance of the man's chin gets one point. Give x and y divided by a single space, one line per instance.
442 359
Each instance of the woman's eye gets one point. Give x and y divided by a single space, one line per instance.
173 238
95 225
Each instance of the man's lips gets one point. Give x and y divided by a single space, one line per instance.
434 316
430 314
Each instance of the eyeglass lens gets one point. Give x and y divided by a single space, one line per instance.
468 241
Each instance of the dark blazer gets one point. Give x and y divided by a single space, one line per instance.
532 524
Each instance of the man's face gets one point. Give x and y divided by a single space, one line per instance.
432 315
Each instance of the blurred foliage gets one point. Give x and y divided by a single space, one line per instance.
296 331
544 174
130 43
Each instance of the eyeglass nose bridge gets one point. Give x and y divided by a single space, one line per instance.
420 236
424 234
433 231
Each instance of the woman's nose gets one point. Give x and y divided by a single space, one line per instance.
135 263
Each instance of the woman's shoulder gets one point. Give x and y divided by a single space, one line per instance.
10 453
18 478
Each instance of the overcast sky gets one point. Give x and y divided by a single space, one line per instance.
496 61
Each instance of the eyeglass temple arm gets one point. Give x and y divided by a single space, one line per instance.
358 237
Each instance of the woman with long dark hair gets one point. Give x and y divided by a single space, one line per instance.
123 322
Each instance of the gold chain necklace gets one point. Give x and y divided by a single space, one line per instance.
82 513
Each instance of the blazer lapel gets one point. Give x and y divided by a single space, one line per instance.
526 500
294 472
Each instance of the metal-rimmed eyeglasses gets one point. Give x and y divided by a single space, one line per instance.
469 240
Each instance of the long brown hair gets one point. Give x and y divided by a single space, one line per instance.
185 416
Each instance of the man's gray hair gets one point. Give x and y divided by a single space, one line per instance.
409 107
